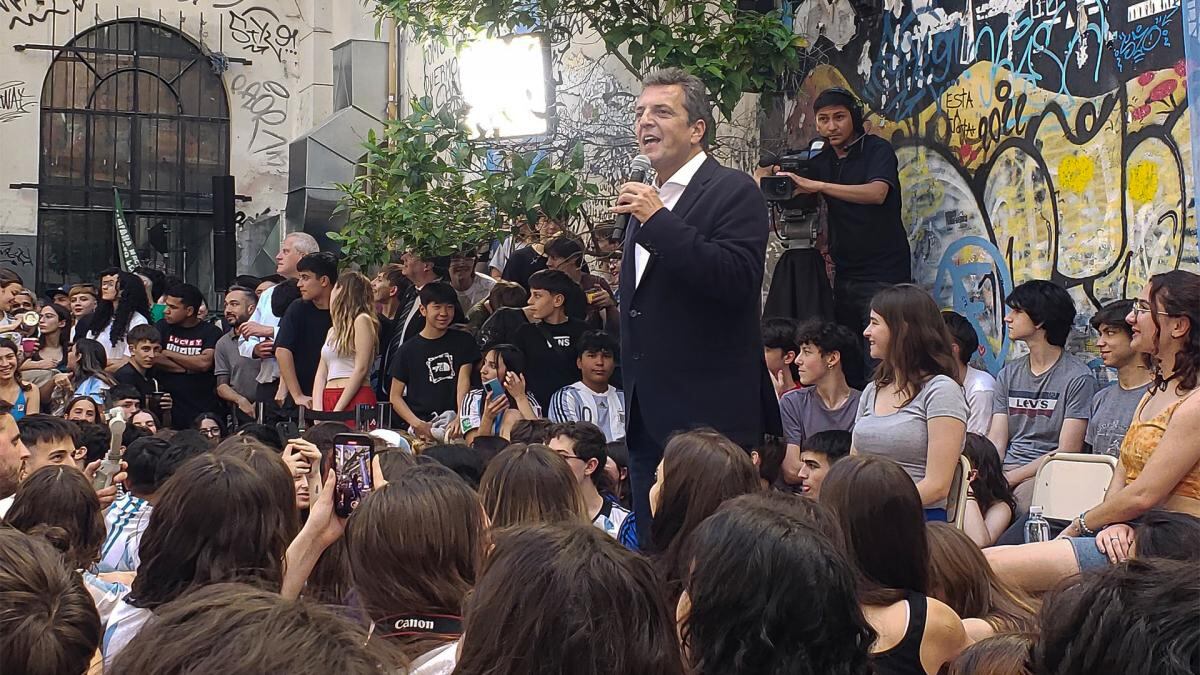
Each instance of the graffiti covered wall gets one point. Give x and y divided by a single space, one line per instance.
1046 139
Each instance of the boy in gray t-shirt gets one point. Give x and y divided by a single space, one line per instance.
1035 414
826 402
1113 406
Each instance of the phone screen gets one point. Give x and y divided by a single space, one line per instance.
352 463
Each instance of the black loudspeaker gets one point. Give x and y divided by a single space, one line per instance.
761 6
224 232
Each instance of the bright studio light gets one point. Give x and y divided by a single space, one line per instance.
504 85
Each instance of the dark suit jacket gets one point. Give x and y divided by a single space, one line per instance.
691 342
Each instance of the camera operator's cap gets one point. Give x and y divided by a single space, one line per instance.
53 294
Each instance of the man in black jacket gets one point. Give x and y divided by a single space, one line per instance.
691 287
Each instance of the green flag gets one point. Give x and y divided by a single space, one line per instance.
128 254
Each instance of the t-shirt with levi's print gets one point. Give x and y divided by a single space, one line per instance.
429 370
1037 405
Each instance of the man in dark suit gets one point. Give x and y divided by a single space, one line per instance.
691 287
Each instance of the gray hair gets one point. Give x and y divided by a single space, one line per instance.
303 242
695 96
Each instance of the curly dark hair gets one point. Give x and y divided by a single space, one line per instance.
131 298
1178 293
1136 618
795 608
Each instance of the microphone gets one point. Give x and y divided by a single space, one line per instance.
637 174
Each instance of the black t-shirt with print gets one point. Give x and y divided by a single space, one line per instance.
302 331
191 393
549 351
429 370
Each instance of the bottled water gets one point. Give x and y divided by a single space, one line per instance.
1036 527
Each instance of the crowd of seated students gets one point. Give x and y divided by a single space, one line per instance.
498 536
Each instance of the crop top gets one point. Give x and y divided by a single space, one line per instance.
336 365
1142 439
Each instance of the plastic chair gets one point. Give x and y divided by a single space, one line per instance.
1070 483
956 501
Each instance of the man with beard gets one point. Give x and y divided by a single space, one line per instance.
13 456
236 374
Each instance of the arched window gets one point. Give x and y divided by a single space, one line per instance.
136 106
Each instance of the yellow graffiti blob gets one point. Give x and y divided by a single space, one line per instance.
1075 172
1143 181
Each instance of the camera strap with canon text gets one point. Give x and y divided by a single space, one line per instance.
406 625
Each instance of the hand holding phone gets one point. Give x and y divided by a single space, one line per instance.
493 388
352 455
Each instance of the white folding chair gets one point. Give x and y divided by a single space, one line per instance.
956 501
1070 483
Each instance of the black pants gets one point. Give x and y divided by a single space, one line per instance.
852 309
644 455
272 411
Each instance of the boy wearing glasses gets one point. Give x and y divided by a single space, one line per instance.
583 446
1043 399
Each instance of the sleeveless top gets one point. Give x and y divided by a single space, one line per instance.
1142 439
19 406
905 657
336 365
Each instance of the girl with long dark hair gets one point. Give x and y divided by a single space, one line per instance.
421 572
793 609
914 412
881 515
123 305
1159 466
485 414
25 398
990 500
566 598
50 357
88 374
59 504
216 520
699 470
530 484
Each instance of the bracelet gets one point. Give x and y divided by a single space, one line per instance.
1083 528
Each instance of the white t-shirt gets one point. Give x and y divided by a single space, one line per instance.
119 350
440 661
979 386
124 623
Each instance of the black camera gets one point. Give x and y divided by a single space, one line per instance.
781 189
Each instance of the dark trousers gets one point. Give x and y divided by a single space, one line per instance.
272 411
644 455
852 309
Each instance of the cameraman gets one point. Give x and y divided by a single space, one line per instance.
857 175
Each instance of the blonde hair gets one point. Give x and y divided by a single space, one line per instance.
353 298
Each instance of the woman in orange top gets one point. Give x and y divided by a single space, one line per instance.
1160 456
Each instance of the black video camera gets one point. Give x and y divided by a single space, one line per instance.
781 189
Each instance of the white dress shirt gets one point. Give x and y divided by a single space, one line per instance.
268 369
669 193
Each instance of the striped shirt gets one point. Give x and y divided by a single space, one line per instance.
106 595
471 411
568 405
126 520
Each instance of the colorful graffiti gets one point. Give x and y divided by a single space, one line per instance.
1037 139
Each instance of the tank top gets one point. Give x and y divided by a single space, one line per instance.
905 657
1142 439
19 406
336 365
